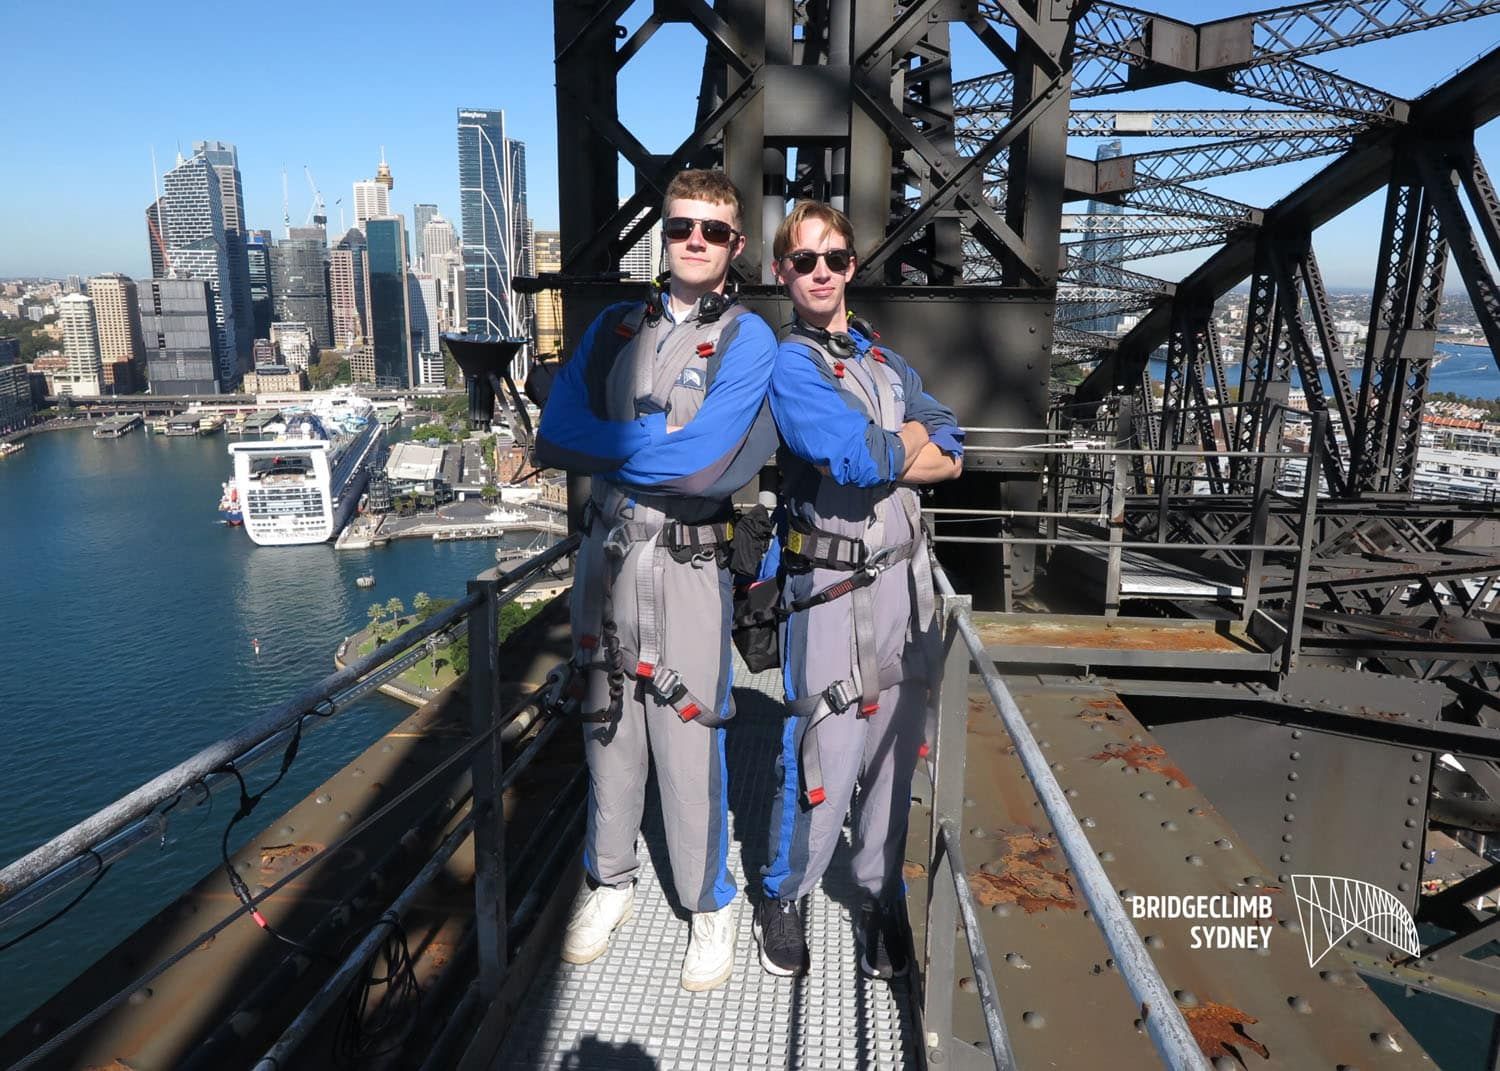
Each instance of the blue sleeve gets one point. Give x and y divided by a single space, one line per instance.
822 426
942 426
572 437
730 437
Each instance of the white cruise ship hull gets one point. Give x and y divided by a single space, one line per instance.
296 493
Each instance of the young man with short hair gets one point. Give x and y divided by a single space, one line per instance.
664 403
859 432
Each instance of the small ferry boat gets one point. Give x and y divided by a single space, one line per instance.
229 505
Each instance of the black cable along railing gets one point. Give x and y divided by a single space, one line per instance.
87 849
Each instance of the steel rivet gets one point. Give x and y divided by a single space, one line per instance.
1153 941
1296 734
1286 838
966 984
1411 823
1072 793
1289 817
1106 857
1148 795
1016 960
1294 756
1001 909
1185 997
1412 801
1089 823
1385 1041
1169 825
976 832
140 996
1285 858
1406 865
1403 886
286 831
1408 843
322 797
1195 860
1223 843
1292 776
1033 1019
1291 797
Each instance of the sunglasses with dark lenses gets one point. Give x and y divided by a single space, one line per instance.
805 260
680 228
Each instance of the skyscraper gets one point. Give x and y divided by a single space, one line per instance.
225 160
258 261
157 239
421 215
349 288
438 239
549 316
299 286
118 316
390 315
426 309
178 322
492 196
191 212
644 257
371 198
1102 252
81 347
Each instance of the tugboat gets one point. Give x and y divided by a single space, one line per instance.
364 581
229 505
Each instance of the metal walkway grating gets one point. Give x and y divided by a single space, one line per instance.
626 1010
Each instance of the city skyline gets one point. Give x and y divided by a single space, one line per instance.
55 220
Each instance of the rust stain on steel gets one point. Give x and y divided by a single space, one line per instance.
1219 1030
1142 756
913 870
1027 874
1101 710
1108 637
275 857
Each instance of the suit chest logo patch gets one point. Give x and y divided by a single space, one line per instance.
899 390
691 378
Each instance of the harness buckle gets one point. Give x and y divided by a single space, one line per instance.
645 671
617 543
840 694
667 683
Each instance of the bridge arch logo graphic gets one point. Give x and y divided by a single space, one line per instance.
1331 908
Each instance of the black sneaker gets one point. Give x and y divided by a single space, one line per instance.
883 940
778 931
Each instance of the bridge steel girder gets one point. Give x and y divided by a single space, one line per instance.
1461 104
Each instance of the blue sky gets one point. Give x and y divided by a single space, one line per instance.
327 85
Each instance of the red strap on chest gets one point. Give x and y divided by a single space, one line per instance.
705 349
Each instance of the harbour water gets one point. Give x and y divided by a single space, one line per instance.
1467 371
129 619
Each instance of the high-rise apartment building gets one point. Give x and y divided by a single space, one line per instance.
549 310
371 198
438 239
294 344
421 215
449 267
349 288
16 409
117 313
644 259
390 314
362 363
10 350
225 160
179 322
191 215
1100 250
85 377
492 197
299 286
426 311
258 261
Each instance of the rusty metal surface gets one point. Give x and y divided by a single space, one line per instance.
1079 640
1157 834
162 1022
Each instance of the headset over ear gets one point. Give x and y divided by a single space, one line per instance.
711 305
655 303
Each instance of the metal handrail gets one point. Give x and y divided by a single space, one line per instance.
134 819
1163 1021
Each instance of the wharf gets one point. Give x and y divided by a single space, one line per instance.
453 521
116 426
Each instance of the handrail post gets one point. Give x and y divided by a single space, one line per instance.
1295 608
948 759
488 768
1123 435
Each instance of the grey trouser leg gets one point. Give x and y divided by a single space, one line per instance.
893 736
879 755
618 763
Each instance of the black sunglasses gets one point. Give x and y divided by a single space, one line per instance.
680 228
805 260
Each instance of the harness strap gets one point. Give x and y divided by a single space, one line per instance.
830 702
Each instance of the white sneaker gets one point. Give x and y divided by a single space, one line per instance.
710 953
596 915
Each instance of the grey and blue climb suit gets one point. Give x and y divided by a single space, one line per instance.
857 667
651 598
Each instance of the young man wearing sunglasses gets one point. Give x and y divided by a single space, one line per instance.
859 432
664 403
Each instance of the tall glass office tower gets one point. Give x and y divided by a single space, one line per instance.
1102 251
390 313
191 215
225 160
492 199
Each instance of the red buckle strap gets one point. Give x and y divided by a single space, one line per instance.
815 796
868 710
875 353
624 331
705 349
689 712
588 643
838 369
923 751
645 670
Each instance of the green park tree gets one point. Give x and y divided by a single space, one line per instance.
395 608
421 605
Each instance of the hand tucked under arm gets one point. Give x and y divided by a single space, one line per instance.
931 465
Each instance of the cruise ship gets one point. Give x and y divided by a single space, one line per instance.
303 485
